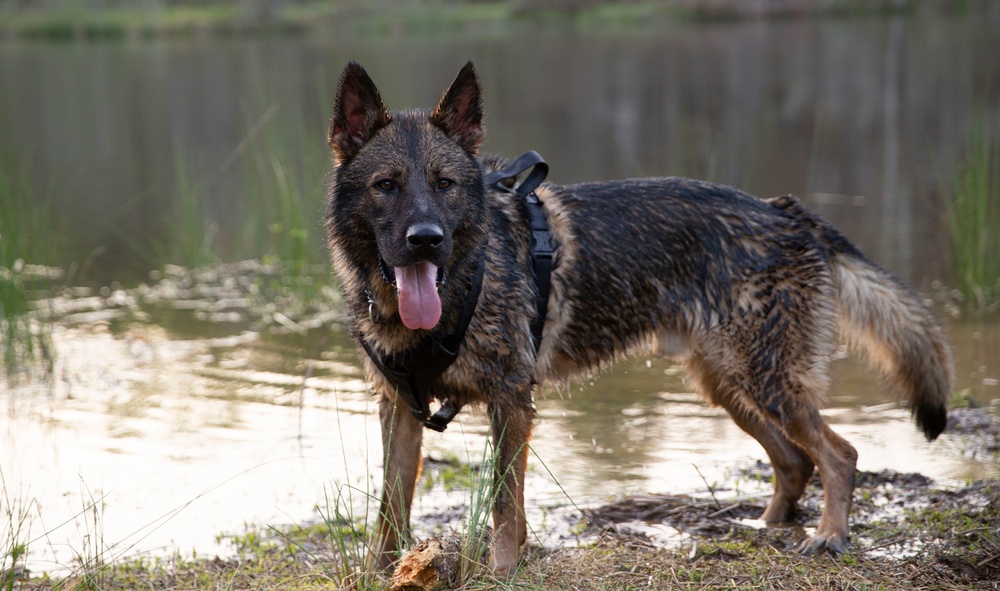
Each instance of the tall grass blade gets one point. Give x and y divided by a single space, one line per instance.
24 217
974 219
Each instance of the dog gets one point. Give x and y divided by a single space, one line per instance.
749 294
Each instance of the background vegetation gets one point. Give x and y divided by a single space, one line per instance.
124 18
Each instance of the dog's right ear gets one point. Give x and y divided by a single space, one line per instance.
358 112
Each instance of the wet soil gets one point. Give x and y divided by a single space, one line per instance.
979 430
901 525
906 532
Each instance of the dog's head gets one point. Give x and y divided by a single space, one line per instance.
407 183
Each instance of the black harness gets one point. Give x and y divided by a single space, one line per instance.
413 372
541 244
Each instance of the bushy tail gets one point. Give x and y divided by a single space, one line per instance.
903 339
881 316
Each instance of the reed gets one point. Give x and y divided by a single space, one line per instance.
284 196
974 218
192 238
278 215
24 217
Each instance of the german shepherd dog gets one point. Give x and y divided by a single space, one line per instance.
750 294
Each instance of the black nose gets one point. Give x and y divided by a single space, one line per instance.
424 239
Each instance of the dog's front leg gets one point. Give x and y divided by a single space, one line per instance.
402 434
511 427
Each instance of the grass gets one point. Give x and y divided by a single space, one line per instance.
95 20
13 538
95 567
278 215
24 215
950 540
192 239
974 219
101 19
284 195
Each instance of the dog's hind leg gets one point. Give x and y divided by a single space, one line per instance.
402 435
788 402
836 460
511 427
792 466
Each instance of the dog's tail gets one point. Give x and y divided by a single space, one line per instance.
881 316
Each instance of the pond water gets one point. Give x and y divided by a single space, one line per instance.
180 404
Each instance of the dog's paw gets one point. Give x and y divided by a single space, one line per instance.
834 543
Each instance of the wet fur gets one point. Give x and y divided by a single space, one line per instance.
749 294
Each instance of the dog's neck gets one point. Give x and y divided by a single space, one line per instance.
413 371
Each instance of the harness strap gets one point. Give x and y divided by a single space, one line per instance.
541 247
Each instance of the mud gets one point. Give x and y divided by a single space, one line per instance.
978 429
903 517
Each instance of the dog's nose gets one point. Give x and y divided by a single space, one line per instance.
423 239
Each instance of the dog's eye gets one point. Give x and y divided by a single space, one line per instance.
443 184
385 185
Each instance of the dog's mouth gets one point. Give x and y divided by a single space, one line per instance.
417 289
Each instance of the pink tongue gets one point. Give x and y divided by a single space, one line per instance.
419 304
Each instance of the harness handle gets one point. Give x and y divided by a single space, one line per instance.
530 159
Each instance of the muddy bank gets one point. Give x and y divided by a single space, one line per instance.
906 532
904 527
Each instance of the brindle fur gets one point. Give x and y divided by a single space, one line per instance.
749 294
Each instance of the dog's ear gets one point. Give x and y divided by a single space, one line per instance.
460 112
358 112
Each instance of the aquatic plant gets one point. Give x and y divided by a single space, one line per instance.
974 218
277 217
24 216
191 240
284 195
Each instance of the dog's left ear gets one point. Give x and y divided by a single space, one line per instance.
460 112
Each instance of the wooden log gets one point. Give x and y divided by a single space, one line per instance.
431 564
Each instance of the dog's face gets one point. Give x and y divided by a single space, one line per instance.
407 185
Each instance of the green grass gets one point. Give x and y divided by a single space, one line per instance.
24 217
953 529
13 537
87 20
104 19
191 241
974 219
277 217
284 195
94 19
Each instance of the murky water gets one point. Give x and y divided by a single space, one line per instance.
185 405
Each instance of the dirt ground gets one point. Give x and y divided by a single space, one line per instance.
907 532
